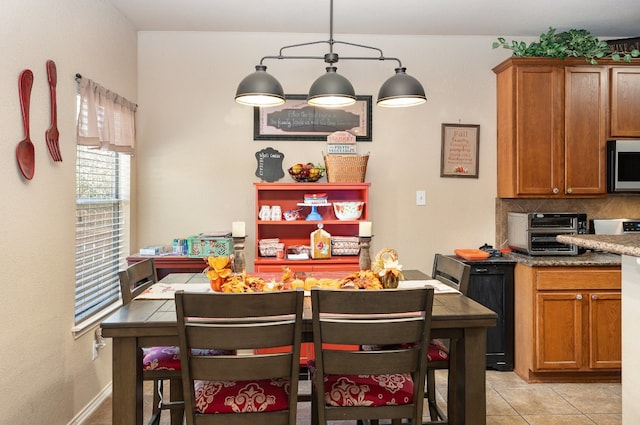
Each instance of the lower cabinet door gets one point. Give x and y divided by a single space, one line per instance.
559 330
605 327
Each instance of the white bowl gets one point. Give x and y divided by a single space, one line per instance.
351 210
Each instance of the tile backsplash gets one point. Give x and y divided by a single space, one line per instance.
614 206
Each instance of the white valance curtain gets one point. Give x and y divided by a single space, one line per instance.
106 120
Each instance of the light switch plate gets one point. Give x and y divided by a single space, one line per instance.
421 197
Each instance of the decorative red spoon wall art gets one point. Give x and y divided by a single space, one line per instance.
25 152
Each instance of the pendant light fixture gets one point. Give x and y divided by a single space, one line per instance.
330 89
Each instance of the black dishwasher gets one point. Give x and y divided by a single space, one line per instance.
491 284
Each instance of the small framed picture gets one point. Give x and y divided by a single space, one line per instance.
460 150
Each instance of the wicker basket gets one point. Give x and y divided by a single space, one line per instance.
346 168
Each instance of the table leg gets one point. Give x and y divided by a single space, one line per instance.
177 415
470 399
127 382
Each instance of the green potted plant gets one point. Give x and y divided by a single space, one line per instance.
577 43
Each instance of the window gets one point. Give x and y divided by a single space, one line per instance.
106 136
102 217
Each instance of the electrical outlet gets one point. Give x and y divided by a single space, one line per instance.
98 344
421 197
94 351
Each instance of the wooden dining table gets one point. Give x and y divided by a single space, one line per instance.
151 321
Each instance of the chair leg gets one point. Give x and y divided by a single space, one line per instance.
431 394
314 408
177 402
157 402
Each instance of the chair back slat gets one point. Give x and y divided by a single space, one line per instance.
136 279
395 331
233 336
258 305
339 362
240 321
386 302
452 272
241 367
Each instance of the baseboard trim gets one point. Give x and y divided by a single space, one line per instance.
91 408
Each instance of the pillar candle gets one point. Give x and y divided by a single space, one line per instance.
364 228
238 229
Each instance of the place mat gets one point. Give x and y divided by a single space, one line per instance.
439 287
166 291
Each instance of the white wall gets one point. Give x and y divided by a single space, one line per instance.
47 376
197 153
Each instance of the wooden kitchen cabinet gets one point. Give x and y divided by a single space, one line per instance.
288 196
568 323
551 128
625 102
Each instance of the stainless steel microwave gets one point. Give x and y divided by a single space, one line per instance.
623 166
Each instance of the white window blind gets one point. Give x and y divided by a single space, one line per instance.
105 132
102 214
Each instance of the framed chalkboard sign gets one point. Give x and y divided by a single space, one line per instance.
269 166
297 120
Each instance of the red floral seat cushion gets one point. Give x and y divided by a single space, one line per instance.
366 390
438 351
241 396
168 358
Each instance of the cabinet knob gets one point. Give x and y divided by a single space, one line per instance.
569 191
594 297
556 190
578 296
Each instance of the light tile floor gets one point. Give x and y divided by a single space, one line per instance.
510 401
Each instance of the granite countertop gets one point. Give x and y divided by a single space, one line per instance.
589 258
625 244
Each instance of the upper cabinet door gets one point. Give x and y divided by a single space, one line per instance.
540 113
585 130
625 102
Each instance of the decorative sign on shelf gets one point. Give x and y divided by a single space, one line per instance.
460 143
341 142
269 164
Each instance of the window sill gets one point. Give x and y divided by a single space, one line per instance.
89 324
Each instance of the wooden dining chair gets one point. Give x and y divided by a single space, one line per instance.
456 274
354 384
247 388
158 363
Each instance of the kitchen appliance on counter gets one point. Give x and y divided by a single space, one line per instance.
614 226
535 233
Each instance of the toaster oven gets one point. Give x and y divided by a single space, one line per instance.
535 233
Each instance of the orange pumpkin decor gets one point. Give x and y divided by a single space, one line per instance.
218 271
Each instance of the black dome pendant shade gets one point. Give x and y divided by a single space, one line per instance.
331 89
401 90
260 89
